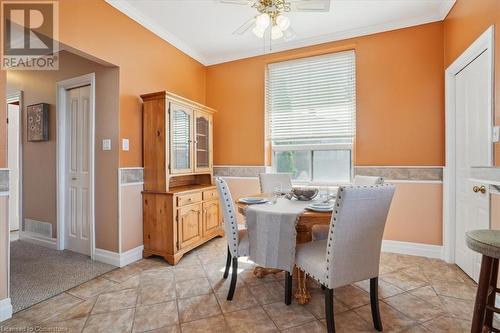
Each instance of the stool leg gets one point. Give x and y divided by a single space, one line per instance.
488 318
482 294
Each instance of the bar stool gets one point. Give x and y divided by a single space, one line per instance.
486 242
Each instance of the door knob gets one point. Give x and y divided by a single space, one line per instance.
478 189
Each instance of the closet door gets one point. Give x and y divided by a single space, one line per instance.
181 147
203 141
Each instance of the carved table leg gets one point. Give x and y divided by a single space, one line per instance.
302 295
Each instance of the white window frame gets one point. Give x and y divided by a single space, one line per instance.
308 147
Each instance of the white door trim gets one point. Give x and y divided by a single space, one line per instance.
484 44
62 86
17 96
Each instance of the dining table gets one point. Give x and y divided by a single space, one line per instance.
306 220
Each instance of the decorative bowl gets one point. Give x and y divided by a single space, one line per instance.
304 193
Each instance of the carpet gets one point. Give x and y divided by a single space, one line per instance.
38 273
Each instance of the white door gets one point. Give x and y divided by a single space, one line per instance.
473 148
13 164
78 140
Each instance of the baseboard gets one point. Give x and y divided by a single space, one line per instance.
51 243
5 309
413 249
118 259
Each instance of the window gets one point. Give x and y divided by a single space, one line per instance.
311 117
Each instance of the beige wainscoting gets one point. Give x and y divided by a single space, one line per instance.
415 215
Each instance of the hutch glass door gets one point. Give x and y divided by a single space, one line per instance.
180 138
202 141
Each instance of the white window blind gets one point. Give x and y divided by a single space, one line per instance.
312 100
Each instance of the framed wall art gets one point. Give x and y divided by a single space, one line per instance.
38 122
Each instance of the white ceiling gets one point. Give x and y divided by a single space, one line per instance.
204 28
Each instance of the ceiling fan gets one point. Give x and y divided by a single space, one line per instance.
271 14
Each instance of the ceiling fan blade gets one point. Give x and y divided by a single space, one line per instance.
244 27
237 2
310 5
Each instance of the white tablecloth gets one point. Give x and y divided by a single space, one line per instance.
271 232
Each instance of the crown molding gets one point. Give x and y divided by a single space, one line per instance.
134 14
137 16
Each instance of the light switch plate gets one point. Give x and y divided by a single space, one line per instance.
496 134
125 146
106 144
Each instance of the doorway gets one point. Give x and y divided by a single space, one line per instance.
14 161
469 115
75 166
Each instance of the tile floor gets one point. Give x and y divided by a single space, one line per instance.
417 295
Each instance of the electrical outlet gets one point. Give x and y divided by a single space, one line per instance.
106 144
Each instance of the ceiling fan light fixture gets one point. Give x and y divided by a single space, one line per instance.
259 32
262 21
283 22
276 32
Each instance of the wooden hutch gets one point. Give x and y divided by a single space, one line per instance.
180 202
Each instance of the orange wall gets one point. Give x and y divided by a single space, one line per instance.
463 25
400 103
147 63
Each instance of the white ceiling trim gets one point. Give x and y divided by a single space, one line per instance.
207 61
156 29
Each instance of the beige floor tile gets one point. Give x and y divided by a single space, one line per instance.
349 322
121 274
220 284
190 259
312 327
448 324
414 307
215 324
405 279
417 329
151 263
189 273
78 311
168 329
92 288
392 320
250 279
150 293
132 283
156 276
242 299
316 305
68 326
268 292
198 307
458 308
49 308
455 289
428 294
111 322
287 316
385 289
118 300
194 287
151 317
253 320
352 296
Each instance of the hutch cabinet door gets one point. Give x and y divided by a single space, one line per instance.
189 225
181 152
203 141
211 221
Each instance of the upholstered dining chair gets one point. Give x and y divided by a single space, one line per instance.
321 231
269 181
237 238
352 252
